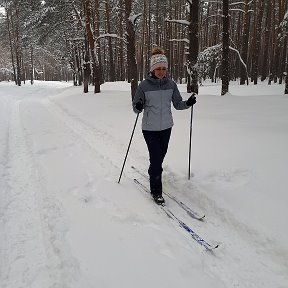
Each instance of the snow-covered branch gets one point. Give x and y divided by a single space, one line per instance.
183 22
210 59
241 10
284 24
286 16
214 1
77 14
6 70
237 3
133 18
237 9
240 58
109 35
240 3
185 40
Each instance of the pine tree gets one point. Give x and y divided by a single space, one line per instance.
225 57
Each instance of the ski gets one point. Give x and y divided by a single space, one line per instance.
183 225
188 210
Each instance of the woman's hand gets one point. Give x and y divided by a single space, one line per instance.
191 100
139 106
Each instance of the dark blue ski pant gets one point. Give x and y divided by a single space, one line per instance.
157 143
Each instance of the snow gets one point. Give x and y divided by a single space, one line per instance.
108 35
286 15
66 222
183 22
132 18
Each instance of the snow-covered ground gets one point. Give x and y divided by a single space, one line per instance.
66 222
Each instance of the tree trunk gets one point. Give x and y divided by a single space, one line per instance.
110 48
121 45
282 49
91 41
31 66
257 35
245 43
266 44
157 30
87 72
131 51
10 42
193 47
273 44
286 77
15 24
97 34
225 55
79 68
143 48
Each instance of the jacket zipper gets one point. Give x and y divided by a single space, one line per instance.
161 105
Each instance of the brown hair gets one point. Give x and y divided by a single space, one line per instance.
158 50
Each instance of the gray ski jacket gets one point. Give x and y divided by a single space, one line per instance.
156 96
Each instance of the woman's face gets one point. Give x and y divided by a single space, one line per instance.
160 72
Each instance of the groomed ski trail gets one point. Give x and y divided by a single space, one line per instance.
31 224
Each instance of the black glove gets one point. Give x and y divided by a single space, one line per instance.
139 106
191 100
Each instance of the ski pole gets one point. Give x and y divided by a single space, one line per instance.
128 147
190 142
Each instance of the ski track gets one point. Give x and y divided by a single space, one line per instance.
98 139
260 249
4 146
32 224
54 122
23 241
236 236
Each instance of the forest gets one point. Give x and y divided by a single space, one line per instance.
91 42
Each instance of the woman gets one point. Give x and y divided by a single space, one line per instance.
155 95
